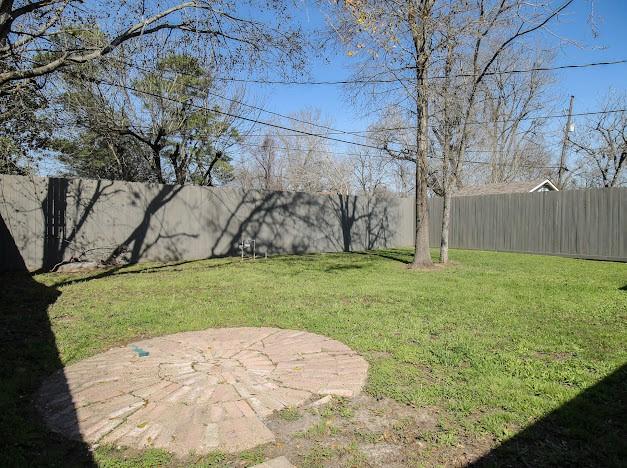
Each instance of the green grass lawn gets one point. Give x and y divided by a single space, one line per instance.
496 342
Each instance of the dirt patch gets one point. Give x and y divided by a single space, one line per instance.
433 267
361 432
368 432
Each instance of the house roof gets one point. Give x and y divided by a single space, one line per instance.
507 187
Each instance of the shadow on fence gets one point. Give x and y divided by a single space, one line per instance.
59 237
137 243
61 234
299 223
59 220
29 355
590 430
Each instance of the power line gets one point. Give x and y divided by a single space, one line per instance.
394 80
130 88
343 153
325 137
333 131
539 117
235 116
359 133
261 109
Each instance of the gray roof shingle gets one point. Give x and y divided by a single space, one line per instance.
495 189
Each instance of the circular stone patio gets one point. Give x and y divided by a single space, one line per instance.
197 391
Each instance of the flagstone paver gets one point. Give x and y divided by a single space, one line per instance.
197 391
279 462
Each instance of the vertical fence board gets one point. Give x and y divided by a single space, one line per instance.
577 223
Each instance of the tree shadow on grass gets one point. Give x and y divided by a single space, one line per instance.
589 431
136 269
29 354
398 255
624 288
340 268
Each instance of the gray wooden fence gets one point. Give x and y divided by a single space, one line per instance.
44 221
574 223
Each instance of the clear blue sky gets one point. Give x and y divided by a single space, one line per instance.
587 85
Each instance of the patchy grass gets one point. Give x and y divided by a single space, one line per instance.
339 407
108 457
317 455
290 414
252 457
496 342
214 459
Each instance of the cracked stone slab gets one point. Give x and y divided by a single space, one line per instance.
197 392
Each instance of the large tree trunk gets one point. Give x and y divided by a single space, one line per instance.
417 20
422 255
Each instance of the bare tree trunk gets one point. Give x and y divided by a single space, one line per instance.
447 183
209 173
446 189
156 164
422 255
446 216
6 6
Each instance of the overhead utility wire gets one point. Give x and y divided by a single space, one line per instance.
344 153
438 77
294 130
235 116
539 117
261 122
237 101
360 132
334 152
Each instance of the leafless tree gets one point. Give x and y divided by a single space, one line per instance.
308 161
451 107
393 40
268 164
300 160
399 46
262 166
30 30
512 137
601 145
387 169
371 172
477 36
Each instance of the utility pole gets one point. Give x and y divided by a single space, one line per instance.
562 168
